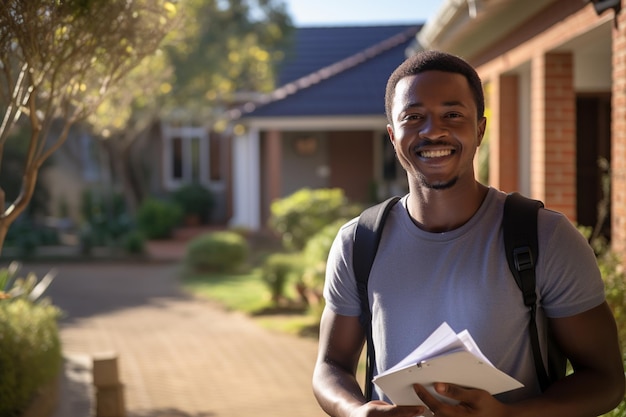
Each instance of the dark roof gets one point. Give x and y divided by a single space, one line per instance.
335 71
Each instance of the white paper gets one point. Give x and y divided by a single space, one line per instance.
444 356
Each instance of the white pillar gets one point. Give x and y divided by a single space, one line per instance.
246 181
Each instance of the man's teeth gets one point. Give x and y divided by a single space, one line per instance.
436 153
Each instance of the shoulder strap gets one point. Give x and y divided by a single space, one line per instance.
366 239
519 226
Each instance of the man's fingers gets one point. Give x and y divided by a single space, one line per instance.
429 399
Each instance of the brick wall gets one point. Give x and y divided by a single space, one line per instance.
504 133
618 134
560 134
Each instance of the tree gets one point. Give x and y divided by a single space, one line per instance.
128 113
58 61
226 47
218 49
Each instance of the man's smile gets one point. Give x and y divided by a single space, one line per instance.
435 153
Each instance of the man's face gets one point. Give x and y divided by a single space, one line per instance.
435 130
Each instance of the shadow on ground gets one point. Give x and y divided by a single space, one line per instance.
83 290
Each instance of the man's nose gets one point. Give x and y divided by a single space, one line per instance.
432 128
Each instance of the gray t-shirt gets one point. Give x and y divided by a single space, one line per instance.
421 279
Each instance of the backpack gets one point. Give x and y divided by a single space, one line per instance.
520 240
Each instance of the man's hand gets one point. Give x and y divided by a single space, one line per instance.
471 402
383 409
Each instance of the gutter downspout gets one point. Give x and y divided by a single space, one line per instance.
437 24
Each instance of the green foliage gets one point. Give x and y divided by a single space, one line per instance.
315 254
195 199
134 243
64 65
27 236
614 278
229 46
31 350
157 219
278 270
216 251
302 214
106 218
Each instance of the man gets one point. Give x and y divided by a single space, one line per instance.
441 258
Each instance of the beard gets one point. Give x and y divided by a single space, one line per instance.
423 181
439 185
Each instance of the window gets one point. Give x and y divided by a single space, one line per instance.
186 156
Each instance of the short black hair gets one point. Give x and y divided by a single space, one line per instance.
435 61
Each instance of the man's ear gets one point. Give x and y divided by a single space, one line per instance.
391 136
482 125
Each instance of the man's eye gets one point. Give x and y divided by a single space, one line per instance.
453 115
412 116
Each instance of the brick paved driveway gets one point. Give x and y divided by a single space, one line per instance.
179 357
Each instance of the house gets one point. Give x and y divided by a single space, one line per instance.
324 126
554 73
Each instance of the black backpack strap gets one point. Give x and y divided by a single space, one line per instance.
366 239
519 226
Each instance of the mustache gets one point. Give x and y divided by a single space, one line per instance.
428 142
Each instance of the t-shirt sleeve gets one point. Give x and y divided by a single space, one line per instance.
340 290
571 282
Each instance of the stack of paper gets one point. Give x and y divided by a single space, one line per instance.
444 357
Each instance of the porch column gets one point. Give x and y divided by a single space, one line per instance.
553 134
618 137
272 170
246 181
504 133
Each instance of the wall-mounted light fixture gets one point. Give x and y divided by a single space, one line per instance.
600 6
305 145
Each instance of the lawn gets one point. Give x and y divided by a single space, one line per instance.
246 292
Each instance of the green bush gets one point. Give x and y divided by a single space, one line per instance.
615 288
315 255
30 348
105 219
31 352
195 200
278 270
134 243
216 251
301 215
614 278
157 219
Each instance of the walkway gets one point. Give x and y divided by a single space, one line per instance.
178 356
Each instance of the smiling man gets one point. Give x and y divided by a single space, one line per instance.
441 259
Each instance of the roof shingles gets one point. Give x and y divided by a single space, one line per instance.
337 71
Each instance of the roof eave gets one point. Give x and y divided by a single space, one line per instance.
465 27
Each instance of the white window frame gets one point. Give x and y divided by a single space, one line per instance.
186 134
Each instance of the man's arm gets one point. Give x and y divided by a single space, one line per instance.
589 340
334 378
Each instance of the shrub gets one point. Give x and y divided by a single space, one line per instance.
134 243
31 352
30 356
195 200
277 271
315 256
301 215
157 219
216 251
614 278
105 220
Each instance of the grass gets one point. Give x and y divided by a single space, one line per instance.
246 292
240 292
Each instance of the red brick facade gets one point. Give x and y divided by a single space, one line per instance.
540 52
618 136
